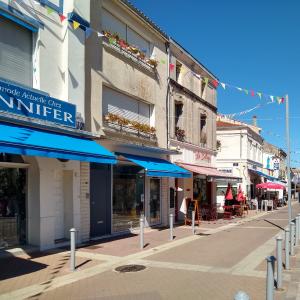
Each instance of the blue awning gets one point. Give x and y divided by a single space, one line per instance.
271 178
158 167
20 140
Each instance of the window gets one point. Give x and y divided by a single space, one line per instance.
114 25
203 136
15 52
178 69
125 106
178 113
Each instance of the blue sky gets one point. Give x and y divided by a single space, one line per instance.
250 44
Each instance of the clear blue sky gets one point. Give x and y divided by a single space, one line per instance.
251 44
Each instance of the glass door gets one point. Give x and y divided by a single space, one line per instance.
155 203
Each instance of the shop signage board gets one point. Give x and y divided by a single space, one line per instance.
28 103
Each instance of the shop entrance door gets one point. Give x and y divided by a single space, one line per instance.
12 207
155 201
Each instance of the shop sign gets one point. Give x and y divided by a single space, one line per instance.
31 104
202 156
225 170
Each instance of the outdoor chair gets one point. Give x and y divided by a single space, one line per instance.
270 204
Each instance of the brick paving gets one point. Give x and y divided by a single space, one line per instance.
225 257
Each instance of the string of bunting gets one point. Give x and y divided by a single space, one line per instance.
216 84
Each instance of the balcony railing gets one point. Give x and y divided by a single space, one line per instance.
127 130
128 54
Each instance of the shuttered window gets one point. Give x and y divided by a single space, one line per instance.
113 25
15 52
125 106
135 39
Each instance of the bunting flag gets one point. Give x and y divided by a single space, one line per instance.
215 83
62 18
246 91
240 89
196 75
172 66
259 94
112 41
76 25
272 98
163 61
206 80
223 85
99 34
49 10
252 93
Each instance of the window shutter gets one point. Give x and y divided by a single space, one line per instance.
15 52
127 107
113 25
135 39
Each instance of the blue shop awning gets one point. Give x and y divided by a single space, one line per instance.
35 142
271 178
158 167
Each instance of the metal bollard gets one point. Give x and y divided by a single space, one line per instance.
299 226
297 231
193 222
270 278
142 232
72 249
171 227
292 239
241 295
279 261
287 248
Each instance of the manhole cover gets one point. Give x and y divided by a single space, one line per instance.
130 268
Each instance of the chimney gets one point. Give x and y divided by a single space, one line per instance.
254 121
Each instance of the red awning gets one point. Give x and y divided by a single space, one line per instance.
207 171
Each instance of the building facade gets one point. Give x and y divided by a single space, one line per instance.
45 154
126 84
240 152
192 129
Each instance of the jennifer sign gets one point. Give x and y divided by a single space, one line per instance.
17 100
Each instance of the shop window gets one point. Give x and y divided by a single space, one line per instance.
178 69
15 53
203 136
128 197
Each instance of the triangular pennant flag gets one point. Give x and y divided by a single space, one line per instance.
206 80
259 94
223 85
272 98
282 100
88 32
215 83
163 61
252 93
240 89
246 91
100 34
49 10
75 25
62 18
112 40
172 66
278 100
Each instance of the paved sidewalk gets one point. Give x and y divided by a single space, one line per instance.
223 257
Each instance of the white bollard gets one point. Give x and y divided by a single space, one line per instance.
193 222
299 225
279 261
270 278
292 239
72 249
171 227
142 232
287 248
297 231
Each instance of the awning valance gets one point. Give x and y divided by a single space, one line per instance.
271 178
208 171
157 167
21 140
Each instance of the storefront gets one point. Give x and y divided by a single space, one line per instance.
42 162
139 186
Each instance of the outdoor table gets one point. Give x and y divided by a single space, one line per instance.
264 203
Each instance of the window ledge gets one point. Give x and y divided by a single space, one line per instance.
128 131
130 56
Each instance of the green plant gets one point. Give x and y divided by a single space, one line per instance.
180 134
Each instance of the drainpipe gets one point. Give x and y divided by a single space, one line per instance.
168 94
